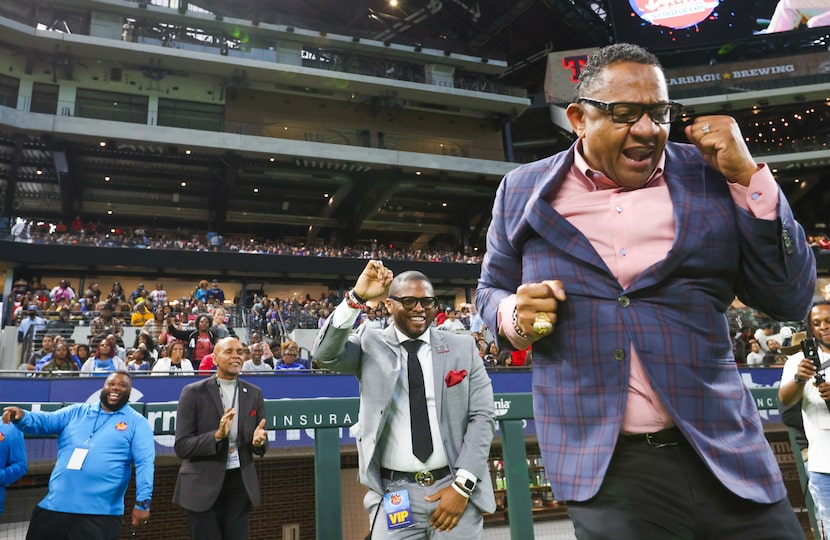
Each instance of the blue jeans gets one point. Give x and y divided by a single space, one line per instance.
820 491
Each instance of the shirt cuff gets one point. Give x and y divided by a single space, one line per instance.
344 316
760 197
505 322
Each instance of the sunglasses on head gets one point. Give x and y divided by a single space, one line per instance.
409 302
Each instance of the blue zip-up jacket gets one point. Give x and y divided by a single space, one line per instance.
115 441
13 464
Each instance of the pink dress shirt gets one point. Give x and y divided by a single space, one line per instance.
631 229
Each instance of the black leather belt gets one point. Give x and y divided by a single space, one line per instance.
665 437
422 478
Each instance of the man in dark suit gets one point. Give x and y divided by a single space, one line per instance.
220 425
618 259
426 411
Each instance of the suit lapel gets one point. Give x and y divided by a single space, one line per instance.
440 351
550 225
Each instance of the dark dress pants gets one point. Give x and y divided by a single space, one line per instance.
228 517
49 525
668 493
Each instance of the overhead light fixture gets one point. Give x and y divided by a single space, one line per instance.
188 151
39 172
106 179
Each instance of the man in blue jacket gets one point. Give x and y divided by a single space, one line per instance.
97 446
13 463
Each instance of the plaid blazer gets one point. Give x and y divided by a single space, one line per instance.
673 314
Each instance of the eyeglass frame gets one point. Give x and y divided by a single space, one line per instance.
414 300
644 109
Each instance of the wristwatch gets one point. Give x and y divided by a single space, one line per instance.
798 379
466 484
143 505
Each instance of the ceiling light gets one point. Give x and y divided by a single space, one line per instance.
188 151
256 190
183 184
106 179
39 172
102 144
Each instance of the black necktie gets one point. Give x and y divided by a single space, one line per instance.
418 416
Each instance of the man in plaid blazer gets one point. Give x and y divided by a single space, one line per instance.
617 260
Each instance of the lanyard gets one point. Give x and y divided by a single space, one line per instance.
235 390
95 427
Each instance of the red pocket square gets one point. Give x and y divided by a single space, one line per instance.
252 413
455 377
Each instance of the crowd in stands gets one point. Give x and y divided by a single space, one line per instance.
178 335
95 234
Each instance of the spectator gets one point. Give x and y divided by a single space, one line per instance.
175 363
199 342
81 354
453 324
104 360
47 345
61 326
155 326
31 323
755 357
141 315
140 361
145 341
476 322
741 344
207 364
763 335
201 292
291 357
139 292
62 293
268 354
105 324
117 293
88 483
216 292
13 461
774 354
221 328
60 360
159 295
255 364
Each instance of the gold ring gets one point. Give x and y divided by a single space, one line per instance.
542 324
705 129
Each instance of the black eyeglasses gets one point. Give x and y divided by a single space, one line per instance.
409 302
630 113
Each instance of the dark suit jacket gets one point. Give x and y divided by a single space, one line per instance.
673 314
203 469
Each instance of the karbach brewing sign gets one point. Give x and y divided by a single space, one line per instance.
674 13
